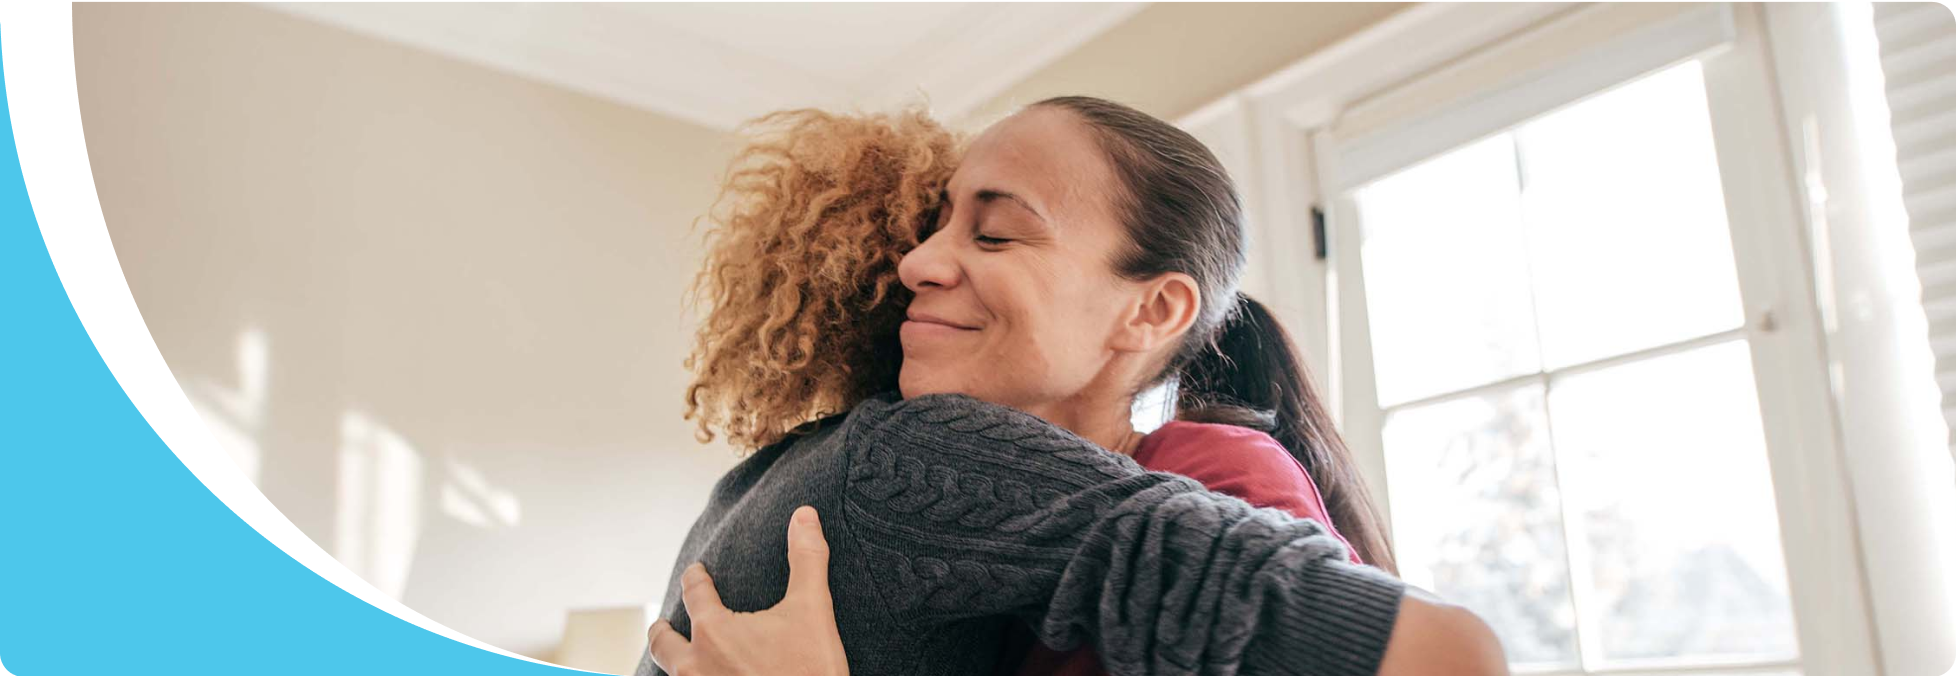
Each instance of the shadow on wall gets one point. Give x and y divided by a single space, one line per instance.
433 311
493 499
384 488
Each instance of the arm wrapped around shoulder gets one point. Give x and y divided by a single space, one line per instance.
968 509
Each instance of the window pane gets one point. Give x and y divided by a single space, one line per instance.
1446 279
1665 461
1476 518
1626 221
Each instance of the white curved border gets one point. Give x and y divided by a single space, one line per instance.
38 49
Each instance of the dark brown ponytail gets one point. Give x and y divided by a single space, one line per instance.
1235 365
1252 377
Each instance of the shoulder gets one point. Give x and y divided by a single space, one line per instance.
1208 447
956 422
1239 461
892 409
811 434
947 436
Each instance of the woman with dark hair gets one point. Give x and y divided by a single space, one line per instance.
1083 253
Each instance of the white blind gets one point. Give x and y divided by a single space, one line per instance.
1918 61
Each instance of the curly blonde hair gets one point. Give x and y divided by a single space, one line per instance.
800 280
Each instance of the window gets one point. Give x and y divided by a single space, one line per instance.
1567 313
1569 414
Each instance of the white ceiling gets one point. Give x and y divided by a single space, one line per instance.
720 64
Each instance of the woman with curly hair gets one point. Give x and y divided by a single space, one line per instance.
1079 254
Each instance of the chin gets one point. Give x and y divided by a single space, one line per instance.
916 380
914 384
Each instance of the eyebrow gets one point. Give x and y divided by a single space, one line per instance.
991 195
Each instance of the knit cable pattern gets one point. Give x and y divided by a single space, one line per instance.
966 509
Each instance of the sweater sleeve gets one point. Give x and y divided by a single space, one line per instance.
967 509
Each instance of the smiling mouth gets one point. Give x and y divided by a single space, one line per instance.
934 320
930 333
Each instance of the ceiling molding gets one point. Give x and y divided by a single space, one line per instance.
966 74
677 59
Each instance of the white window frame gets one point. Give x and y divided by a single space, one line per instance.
1891 429
1279 139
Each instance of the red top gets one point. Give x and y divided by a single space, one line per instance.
1232 460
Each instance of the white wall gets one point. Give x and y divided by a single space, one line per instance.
434 309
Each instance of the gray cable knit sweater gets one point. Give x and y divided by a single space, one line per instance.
949 518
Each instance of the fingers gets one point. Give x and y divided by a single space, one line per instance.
696 590
808 558
667 646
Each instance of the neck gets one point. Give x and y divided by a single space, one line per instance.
1107 421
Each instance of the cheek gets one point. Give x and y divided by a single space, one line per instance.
1054 322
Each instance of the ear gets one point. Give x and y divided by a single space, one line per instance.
1165 309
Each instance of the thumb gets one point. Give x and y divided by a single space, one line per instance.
808 558
667 647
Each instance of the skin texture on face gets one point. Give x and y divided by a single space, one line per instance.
1017 301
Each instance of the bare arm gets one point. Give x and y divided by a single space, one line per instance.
1434 638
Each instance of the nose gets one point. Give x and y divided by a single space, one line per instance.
933 264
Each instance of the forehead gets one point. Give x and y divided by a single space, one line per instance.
1046 155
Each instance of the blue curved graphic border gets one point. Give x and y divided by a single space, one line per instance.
114 558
